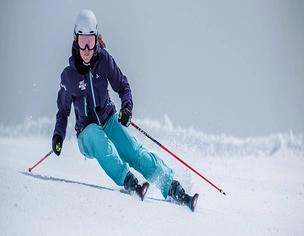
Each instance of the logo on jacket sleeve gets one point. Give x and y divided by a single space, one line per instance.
63 86
82 85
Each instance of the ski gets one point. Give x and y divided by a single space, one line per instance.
140 190
193 201
191 204
189 201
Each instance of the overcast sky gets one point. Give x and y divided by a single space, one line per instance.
234 67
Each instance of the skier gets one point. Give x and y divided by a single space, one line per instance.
102 132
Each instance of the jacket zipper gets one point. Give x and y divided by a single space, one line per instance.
85 106
94 101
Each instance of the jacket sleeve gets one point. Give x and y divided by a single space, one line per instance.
64 101
119 83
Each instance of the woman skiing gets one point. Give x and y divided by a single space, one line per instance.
102 132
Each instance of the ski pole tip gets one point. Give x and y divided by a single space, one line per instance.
222 192
29 170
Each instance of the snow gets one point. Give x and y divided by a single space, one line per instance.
263 178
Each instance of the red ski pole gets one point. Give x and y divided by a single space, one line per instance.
176 157
50 152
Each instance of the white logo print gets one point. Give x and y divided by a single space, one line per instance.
82 85
63 86
97 76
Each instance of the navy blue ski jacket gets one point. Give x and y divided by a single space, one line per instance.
89 93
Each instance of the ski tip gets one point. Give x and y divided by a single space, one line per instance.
193 202
144 190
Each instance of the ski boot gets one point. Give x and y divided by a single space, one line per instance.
177 193
131 185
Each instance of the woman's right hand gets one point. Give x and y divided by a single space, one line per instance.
57 144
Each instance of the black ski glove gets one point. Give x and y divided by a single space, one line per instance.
125 116
57 144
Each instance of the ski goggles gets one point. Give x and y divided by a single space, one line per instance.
86 41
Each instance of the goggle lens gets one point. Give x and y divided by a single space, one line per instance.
86 41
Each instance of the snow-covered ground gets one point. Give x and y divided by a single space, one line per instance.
263 178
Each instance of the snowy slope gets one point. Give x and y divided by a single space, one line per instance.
67 195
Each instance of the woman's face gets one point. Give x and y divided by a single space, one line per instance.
86 54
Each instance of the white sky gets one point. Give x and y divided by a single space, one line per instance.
234 67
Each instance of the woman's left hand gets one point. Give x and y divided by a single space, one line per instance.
125 116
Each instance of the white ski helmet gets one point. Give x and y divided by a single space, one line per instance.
86 23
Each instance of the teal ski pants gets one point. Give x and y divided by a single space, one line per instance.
116 150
